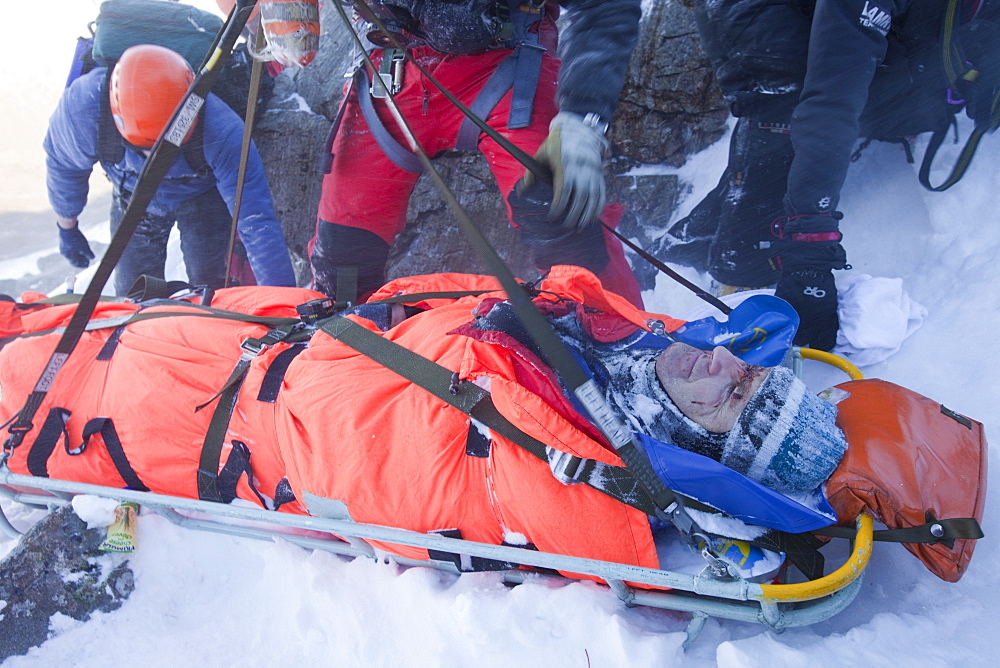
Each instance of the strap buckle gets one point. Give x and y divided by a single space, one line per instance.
253 347
390 72
315 310
566 468
17 435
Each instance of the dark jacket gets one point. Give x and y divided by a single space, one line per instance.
849 68
594 48
71 146
595 44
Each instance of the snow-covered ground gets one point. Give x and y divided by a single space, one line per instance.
205 599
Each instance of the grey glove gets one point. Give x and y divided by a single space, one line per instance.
574 152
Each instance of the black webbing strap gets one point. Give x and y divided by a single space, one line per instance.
215 436
160 159
802 549
52 430
271 385
467 563
237 465
935 531
106 428
615 481
111 345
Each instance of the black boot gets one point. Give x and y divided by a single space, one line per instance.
752 195
348 263
689 240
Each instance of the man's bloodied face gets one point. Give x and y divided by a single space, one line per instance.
710 387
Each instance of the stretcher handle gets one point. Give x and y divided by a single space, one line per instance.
828 358
850 571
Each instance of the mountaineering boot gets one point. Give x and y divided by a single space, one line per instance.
348 263
751 194
689 240
749 562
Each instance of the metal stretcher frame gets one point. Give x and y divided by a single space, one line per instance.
703 595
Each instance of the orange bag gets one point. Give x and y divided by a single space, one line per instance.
909 456
292 30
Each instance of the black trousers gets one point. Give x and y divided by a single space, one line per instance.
204 223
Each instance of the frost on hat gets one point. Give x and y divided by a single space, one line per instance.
786 438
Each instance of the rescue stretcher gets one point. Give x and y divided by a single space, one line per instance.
713 592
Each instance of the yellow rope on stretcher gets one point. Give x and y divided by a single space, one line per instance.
850 571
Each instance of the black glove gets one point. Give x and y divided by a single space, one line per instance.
530 202
813 294
551 242
807 249
74 247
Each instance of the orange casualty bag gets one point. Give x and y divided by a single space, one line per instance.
910 461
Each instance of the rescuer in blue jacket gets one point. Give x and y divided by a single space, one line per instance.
198 191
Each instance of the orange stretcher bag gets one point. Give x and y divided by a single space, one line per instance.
910 461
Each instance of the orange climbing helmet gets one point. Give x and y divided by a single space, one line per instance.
147 84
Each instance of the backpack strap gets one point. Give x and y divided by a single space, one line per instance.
962 76
961 164
110 143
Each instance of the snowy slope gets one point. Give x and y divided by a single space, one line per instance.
205 599
197 594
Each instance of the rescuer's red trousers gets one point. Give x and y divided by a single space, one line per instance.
365 194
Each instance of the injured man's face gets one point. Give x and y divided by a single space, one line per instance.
710 387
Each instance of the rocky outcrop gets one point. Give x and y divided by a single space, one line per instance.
57 568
